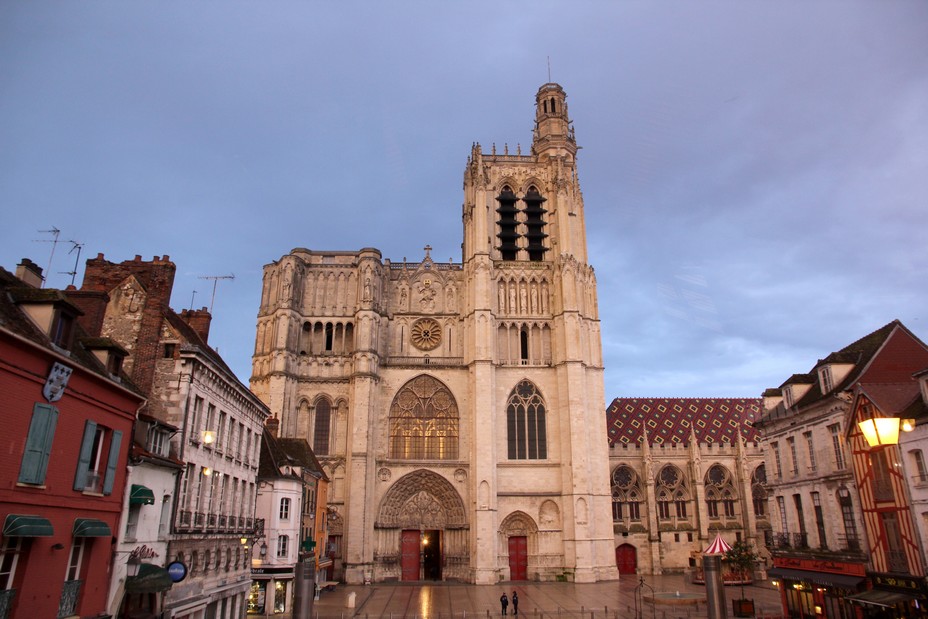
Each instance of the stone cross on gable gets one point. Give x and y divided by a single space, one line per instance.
427 249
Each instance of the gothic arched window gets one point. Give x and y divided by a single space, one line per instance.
525 423
672 493
321 426
424 421
720 492
626 494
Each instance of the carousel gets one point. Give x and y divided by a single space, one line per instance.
731 574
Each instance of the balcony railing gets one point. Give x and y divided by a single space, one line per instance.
6 601
404 360
786 541
897 561
94 482
883 490
848 543
69 595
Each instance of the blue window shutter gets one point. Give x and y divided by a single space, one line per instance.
38 444
111 462
83 463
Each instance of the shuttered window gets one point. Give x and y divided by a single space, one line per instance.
94 474
38 444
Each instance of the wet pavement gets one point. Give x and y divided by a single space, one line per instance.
609 600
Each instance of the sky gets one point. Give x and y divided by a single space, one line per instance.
755 174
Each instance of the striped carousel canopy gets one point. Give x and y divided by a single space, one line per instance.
718 547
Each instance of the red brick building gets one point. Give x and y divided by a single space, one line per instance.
218 424
68 413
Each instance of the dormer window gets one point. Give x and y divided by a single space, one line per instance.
107 352
114 364
158 442
788 395
62 328
825 379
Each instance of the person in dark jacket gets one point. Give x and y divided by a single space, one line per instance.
515 603
504 602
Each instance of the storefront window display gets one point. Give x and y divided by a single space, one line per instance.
256 597
280 596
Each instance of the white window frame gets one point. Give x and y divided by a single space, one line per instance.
75 559
9 560
778 463
837 446
811 445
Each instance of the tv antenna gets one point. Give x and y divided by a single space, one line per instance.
215 279
74 246
54 232
192 297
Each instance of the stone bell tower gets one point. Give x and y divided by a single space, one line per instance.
533 332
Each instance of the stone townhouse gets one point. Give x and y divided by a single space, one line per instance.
820 546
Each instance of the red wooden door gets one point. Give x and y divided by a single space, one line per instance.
518 558
626 559
409 552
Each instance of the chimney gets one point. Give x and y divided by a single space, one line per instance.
93 303
199 321
273 426
29 273
157 275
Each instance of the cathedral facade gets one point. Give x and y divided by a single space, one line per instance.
456 407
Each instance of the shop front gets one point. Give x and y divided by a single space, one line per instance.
893 597
271 590
817 588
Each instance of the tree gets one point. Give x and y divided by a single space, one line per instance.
742 556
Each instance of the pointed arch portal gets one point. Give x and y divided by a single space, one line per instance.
421 530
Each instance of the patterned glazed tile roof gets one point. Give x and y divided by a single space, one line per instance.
669 420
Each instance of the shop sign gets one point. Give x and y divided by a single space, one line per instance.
143 552
177 571
820 565
258 571
897 582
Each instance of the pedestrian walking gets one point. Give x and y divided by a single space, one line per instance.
504 602
515 603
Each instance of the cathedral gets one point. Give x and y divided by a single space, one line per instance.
457 408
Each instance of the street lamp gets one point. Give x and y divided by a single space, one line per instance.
880 431
133 565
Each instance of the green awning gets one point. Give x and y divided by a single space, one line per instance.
140 495
151 579
27 526
90 527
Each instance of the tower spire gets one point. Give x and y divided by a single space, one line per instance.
554 136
